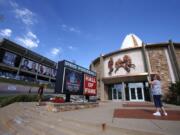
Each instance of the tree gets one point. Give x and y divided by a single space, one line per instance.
174 93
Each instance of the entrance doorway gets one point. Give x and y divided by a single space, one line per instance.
136 91
117 92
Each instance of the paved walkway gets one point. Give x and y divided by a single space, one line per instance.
26 118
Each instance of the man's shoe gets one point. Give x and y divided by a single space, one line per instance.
157 114
165 114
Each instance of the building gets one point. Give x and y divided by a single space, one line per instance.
19 65
122 74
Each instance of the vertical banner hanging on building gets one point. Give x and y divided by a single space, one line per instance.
89 85
73 82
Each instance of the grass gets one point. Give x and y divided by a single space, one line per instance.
9 99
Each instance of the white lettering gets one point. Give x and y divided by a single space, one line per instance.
90 84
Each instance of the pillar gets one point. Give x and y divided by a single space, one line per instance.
101 70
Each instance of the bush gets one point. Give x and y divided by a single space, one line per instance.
174 93
19 98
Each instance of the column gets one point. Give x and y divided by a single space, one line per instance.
123 92
147 65
173 58
101 70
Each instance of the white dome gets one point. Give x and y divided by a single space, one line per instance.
130 41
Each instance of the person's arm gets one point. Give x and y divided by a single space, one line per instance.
151 82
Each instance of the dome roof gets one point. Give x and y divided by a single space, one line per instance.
130 41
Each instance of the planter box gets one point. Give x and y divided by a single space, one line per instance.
61 107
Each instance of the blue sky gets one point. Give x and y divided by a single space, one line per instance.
81 30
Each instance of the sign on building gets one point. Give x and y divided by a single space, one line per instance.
74 79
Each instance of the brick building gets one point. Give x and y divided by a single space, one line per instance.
122 74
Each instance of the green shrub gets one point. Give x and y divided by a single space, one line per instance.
174 93
19 98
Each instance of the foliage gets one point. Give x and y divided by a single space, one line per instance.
174 93
6 100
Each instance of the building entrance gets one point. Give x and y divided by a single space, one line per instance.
136 92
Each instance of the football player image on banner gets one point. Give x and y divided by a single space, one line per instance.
53 72
33 66
42 69
89 85
48 71
9 58
73 82
29 65
25 64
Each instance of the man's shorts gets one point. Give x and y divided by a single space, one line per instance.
157 101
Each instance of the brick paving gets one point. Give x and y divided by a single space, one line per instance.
139 104
146 114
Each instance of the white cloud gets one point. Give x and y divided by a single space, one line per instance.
32 35
72 48
30 40
27 17
13 4
55 51
24 14
6 32
70 29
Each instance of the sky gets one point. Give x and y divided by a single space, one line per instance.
82 30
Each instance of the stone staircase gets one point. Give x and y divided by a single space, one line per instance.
28 119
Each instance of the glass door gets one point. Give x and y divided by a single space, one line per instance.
114 93
140 93
117 92
136 92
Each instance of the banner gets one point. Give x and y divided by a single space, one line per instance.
29 65
53 72
73 82
41 69
48 71
89 85
9 58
